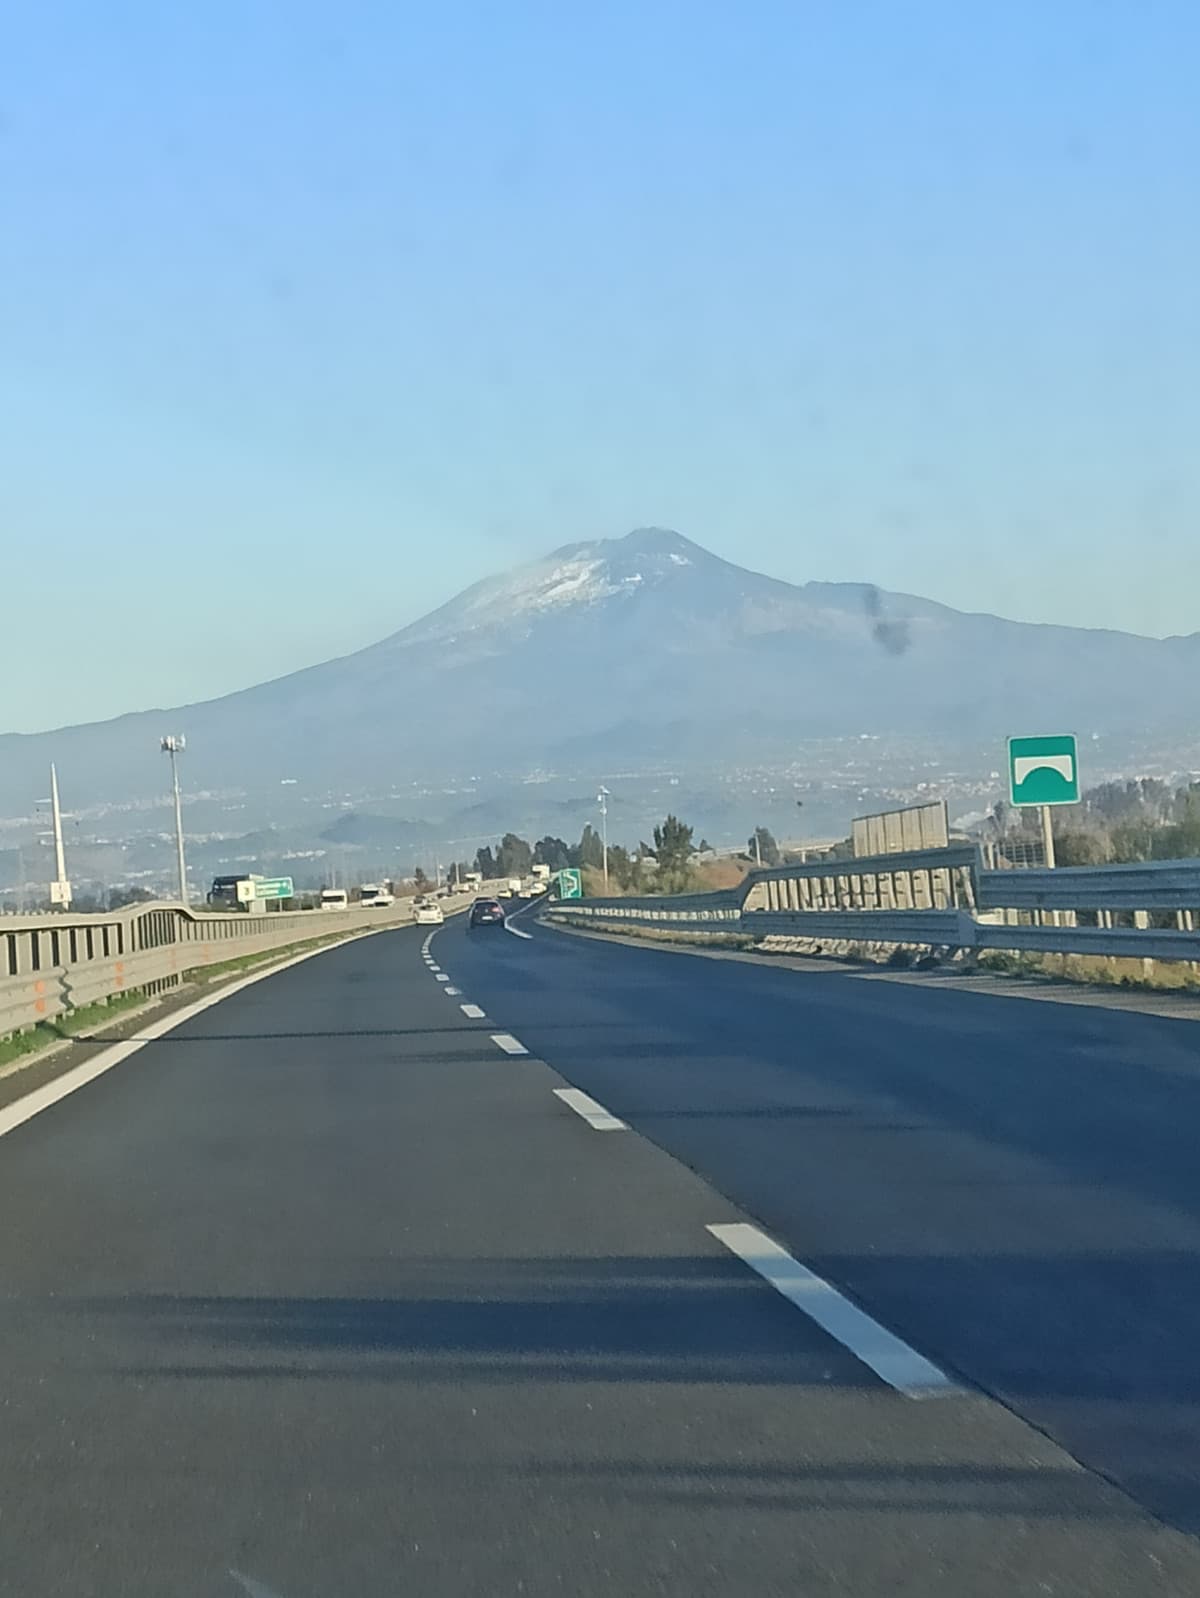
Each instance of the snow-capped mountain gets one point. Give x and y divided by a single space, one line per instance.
629 650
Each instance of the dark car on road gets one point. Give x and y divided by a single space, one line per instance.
486 913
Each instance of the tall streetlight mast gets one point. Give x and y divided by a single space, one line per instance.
174 744
602 799
60 888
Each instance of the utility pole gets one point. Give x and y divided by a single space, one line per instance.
174 744
758 846
60 888
602 799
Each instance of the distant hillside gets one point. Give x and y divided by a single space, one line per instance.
632 650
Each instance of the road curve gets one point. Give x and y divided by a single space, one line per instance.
1011 1184
330 1292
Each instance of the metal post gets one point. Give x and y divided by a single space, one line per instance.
1047 836
173 745
60 890
1049 917
758 848
602 800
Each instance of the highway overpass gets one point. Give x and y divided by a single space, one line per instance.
453 1263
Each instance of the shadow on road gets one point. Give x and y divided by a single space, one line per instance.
676 1319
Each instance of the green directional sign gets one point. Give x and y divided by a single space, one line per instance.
570 883
274 888
1043 771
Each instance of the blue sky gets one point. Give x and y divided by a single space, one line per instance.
313 314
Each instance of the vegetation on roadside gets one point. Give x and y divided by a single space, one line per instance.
1116 823
68 1025
1174 976
670 863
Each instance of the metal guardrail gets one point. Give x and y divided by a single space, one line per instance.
50 965
1149 885
928 928
878 899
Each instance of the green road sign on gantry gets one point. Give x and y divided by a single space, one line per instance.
273 888
570 883
1043 771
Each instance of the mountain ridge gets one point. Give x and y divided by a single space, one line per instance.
552 658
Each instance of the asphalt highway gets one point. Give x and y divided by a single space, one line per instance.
338 1289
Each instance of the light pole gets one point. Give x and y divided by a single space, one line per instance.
602 799
60 888
174 744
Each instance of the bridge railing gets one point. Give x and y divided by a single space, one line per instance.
939 899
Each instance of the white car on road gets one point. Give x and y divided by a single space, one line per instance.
429 915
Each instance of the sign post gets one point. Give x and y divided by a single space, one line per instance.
1044 772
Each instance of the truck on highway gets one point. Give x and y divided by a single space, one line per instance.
334 898
375 895
537 884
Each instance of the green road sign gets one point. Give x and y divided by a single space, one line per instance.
570 883
1043 771
274 888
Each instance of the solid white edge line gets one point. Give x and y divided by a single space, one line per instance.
596 1116
472 1012
892 1360
22 1110
517 932
506 1041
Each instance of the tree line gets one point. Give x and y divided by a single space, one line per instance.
658 867
1142 818
667 864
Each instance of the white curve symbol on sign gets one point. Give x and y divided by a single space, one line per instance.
1023 765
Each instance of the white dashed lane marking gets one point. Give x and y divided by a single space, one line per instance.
472 1012
596 1116
506 1041
882 1351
